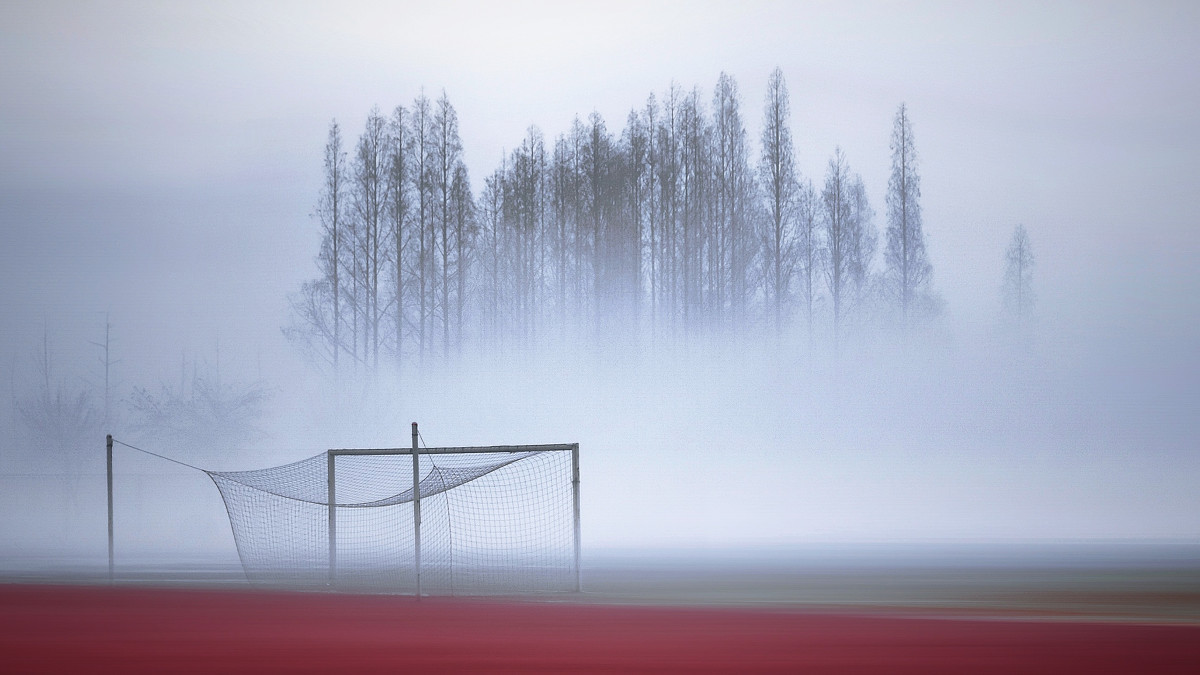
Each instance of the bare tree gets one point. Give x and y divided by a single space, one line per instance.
580 260
781 188
399 209
422 178
670 179
525 202
808 249
317 311
491 220
563 195
1018 278
732 246
464 238
907 269
205 412
447 148
598 152
848 241
370 198
653 199
694 185
60 419
836 233
864 239
635 142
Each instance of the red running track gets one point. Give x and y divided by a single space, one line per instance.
139 630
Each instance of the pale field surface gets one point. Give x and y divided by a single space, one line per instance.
171 529
1140 582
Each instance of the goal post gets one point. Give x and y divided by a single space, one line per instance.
416 491
575 513
108 461
427 521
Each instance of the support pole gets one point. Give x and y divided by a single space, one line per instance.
416 463
108 456
329 467
575 500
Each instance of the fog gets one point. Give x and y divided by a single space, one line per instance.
160 167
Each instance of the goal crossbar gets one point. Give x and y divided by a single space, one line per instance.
481 449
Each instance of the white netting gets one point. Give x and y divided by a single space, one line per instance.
494 522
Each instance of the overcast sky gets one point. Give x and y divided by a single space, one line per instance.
159 161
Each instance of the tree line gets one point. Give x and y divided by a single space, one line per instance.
667 231
674 227
61 410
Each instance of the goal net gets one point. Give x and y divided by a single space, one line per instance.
465 521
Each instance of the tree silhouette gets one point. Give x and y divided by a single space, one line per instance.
1018 279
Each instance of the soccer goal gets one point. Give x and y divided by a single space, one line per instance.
425 521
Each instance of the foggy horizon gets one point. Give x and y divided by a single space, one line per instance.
161 170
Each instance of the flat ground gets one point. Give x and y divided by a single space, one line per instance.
140 629
1108 609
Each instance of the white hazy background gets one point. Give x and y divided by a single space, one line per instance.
159 162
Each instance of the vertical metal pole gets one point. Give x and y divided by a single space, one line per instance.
108 454
575 499
416 460
329 465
